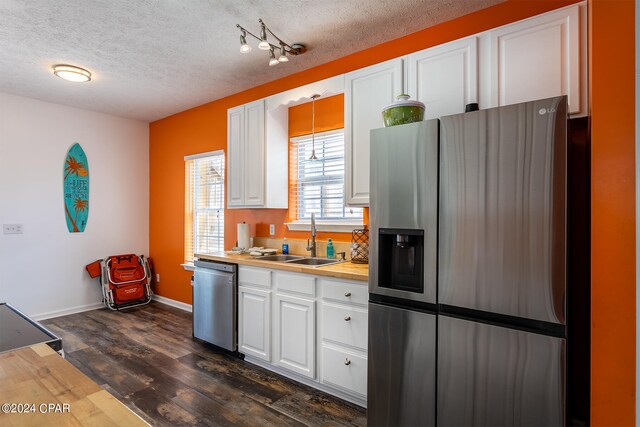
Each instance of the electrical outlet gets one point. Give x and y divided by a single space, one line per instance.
157 277
272 229
12 228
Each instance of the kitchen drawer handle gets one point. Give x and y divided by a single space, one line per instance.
347 318
347 294
347 361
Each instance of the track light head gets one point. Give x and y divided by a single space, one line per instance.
283 54
244 47
272 61
264 44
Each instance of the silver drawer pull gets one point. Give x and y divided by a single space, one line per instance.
347 294
347 318
347 361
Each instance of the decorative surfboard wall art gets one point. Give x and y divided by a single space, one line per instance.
76 189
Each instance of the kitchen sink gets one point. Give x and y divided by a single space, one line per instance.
279 258
314 262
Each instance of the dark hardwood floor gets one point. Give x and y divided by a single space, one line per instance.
147 358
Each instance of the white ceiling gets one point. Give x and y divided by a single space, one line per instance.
154 58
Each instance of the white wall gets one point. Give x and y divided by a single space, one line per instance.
42 270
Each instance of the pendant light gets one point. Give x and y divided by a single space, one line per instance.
313 126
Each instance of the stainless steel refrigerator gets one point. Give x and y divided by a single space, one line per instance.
467 275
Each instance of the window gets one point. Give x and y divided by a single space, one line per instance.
204 204
317 186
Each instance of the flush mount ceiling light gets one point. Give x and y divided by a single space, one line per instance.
71 73
281 47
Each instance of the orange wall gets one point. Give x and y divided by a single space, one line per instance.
612 94
329 116
611 90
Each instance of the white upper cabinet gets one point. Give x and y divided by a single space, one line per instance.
251 158
235 156
254 179
445 77
539 57
367 92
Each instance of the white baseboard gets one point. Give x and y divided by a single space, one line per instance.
67 311
173 303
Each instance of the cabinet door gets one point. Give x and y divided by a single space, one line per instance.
254 154
367 92
294 334
254 323
235 156
537 58
445 77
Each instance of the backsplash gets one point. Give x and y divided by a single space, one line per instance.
299 246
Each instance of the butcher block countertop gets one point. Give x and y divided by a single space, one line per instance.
38 387
343 270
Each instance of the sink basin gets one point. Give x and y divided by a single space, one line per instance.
314 262
278 258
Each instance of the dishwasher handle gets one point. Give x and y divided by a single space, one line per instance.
214 265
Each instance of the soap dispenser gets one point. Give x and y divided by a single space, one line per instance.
285 246
330 251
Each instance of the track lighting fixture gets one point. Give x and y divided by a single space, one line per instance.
284 50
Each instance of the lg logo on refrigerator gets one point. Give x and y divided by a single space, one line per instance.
544 111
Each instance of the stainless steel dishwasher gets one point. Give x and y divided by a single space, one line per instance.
215 290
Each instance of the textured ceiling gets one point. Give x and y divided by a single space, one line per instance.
154 58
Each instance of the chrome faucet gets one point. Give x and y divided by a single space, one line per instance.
312 247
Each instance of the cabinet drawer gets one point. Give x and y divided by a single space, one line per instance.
344 369
303 284
345 325
250 276
345 292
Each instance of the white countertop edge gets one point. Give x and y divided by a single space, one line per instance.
188 266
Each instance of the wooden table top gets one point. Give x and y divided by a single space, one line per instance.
38 387
342 270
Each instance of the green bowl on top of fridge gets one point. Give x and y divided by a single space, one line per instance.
402 111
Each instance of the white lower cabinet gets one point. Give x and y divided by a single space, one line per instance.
344 369
295 332
313 329
254 335
344 326
254 312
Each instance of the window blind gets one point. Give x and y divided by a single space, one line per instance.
317 186
204 205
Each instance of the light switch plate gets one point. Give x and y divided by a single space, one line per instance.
11 228
272 229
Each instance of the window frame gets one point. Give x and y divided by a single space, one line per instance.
191 197
335 225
